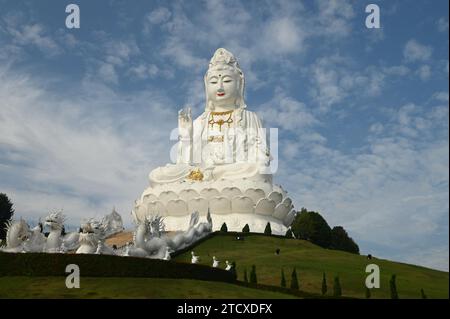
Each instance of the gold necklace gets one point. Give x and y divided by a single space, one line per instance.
221 121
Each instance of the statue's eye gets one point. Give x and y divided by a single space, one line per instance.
213 82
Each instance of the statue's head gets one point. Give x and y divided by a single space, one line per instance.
224 81
55 220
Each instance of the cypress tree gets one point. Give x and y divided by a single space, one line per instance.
233 270
294 280
393 286
245 275
268 230
324 285
337 290
246 229
283 279
224 228
6 213
288 233
253 278
368 294
422 294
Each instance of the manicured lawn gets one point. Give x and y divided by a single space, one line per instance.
311 261
90 287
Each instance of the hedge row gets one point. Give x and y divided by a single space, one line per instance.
42 264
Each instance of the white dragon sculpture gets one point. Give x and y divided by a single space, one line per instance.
92 239
17 233
20 238
149 240
56 239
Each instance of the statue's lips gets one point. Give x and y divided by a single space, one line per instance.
220 94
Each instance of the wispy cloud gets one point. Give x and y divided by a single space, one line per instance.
73 151
29 34
415 51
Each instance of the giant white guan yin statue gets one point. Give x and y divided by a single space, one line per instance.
222 165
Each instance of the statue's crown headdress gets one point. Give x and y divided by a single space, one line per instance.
223 57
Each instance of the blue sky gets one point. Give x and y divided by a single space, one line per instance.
85 113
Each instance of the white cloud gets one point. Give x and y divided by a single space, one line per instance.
376 128
336 78
334 17
287 113
34 35
436 257
271 34
144 71
116 58
442 24
441 96
424 72
415 51
73 151
119 52
398 70
108 73
283 36
159 15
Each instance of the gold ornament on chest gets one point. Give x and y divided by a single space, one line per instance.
221 118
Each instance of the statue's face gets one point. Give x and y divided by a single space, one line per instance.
222 87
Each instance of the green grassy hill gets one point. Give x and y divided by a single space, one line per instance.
41 275
311 261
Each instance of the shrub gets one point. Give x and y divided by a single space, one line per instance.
246 229
224 228
313 227
341 241
268 230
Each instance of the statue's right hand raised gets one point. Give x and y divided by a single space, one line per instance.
185 125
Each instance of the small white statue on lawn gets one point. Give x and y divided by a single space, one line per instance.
215 262
195 259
